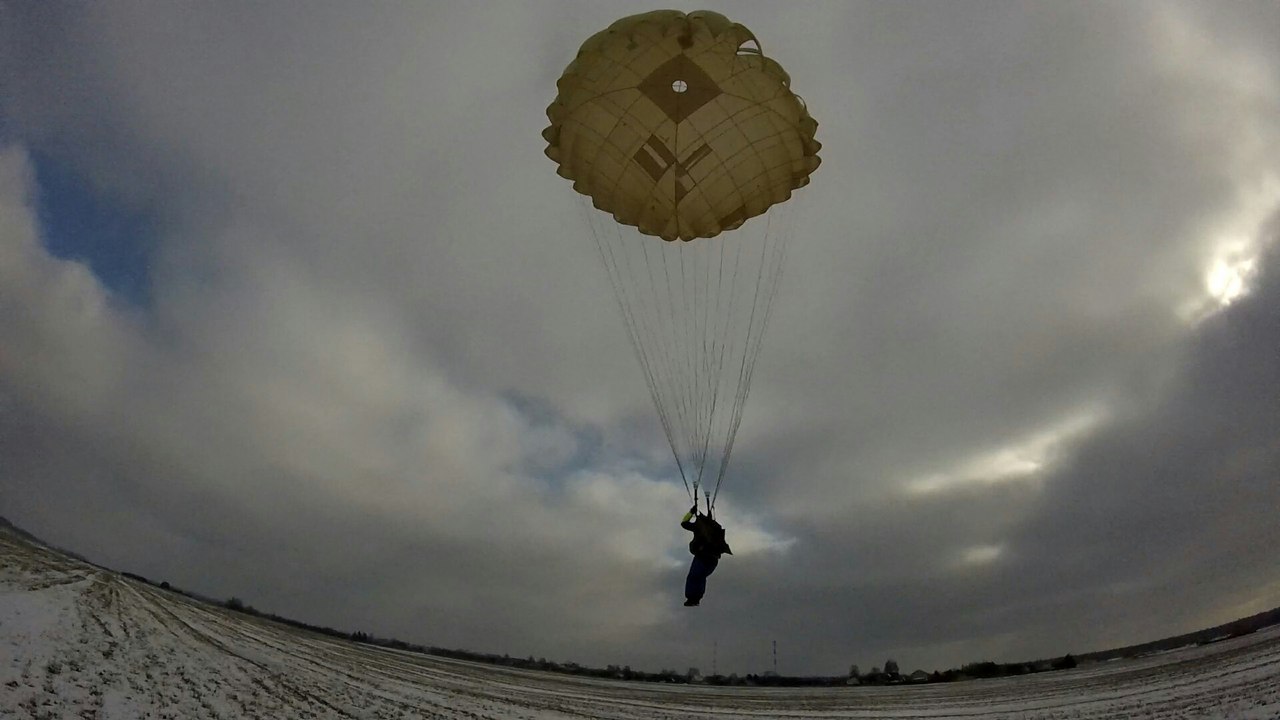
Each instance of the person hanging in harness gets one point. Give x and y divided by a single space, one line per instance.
706 546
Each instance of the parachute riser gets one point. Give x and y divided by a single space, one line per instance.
698 503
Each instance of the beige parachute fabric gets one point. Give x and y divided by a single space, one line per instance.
679 125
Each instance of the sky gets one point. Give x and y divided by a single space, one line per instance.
294 309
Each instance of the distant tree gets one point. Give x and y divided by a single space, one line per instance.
1066 662
693 674
164 585
891 667
234 603
853 670
984 669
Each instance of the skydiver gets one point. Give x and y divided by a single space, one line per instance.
706 546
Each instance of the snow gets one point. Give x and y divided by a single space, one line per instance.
79 641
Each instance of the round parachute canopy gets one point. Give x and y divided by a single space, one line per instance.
679 125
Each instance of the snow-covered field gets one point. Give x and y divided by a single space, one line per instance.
79 642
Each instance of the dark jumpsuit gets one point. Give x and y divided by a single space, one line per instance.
706 557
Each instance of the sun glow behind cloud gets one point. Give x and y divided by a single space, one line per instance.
1232 260
1243 90
1228 278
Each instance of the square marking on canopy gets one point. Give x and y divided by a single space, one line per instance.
679 87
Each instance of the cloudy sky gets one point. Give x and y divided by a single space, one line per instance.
294 309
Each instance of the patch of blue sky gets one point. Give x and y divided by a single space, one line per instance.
582 447
80 222
585 451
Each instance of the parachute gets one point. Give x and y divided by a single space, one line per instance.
679 127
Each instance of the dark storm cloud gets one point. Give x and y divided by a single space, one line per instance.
1002 410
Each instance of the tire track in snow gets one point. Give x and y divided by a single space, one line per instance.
168 619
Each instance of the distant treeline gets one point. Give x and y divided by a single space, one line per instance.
1235 628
